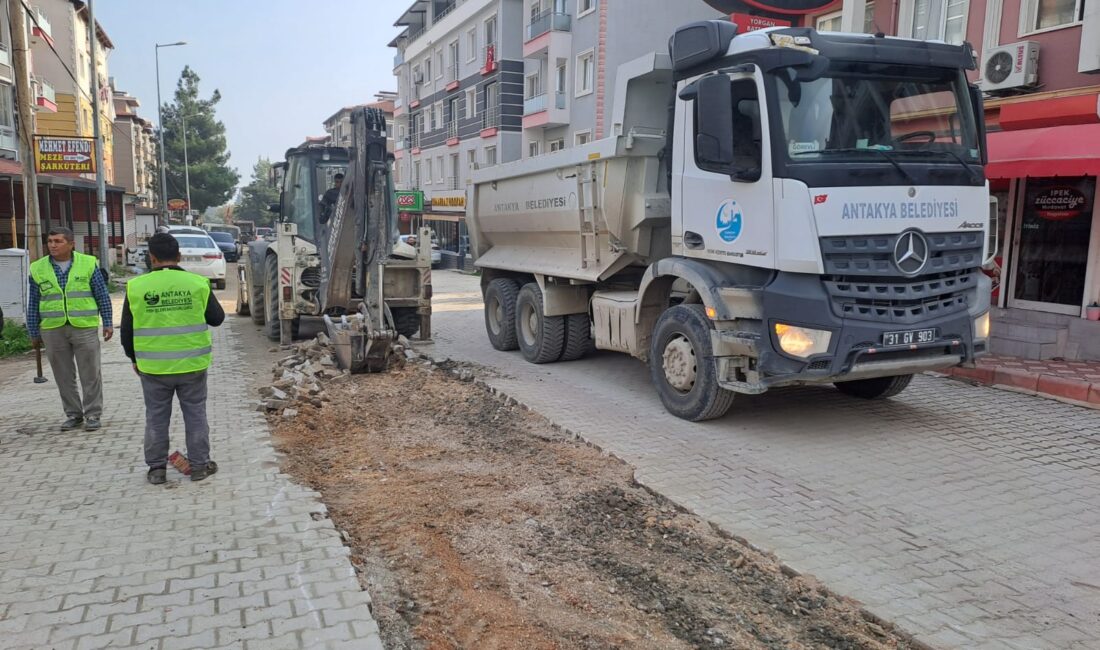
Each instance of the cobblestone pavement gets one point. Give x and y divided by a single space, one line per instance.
92 556
965 514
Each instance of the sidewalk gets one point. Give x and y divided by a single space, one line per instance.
1075 381
92 556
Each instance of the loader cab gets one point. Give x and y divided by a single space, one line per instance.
307 173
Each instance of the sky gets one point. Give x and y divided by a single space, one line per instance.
282 66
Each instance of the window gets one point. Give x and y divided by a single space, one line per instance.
432 124
533 148
416 174
940 20
298 198
560 77
439 64
428 68
471 103
6 117
471 159
586 72
582 137
746 134
869 18
452 179
1039 15
536 9
427 171
557 145
829 22
452 117
452 73
585 7
491 31
439 167
438 110
471 45
533 84
490 156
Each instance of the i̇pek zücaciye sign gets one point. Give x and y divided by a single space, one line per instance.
64 155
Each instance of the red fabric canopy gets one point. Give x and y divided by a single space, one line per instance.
1053 151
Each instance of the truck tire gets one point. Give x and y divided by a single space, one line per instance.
682 365
578 337
271 297
406 321
500 313
540 337
256 296
877 388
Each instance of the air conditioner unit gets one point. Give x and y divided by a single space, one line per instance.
418 77
1010 66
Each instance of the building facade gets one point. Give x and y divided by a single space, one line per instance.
338 125
9 144
1039 68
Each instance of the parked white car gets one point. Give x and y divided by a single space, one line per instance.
410 240
200 255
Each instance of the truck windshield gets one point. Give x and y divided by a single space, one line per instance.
857 111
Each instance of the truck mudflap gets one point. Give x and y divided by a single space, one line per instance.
751 360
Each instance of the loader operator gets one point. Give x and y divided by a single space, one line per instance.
330 197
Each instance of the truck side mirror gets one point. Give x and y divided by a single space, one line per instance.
714 128
977 101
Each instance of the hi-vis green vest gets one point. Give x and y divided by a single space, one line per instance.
76 304
170 332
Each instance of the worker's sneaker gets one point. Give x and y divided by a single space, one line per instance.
72 423
199 473
157 475
91 424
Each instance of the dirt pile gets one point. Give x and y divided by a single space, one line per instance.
476 524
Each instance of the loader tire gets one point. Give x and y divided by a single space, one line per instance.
500 313
271 297
682 365
541 338
578 337
877 388
256 298
406 321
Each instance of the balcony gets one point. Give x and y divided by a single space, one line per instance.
41 30
489 58
451 129
490 121
45 96
452 77
444 11
545 111
451 183
398 59
548 21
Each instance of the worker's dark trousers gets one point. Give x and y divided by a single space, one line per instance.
190 388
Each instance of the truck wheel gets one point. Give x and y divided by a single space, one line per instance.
271 297
877 388
500 313
682 366
256 298
540 337
406 321
578 337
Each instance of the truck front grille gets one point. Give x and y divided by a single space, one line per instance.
864 282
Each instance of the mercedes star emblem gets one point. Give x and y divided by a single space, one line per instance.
911 252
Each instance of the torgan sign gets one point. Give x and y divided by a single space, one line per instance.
783 7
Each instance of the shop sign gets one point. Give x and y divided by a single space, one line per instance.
750 23
410 201
454 203
53 155
1060 203
177 204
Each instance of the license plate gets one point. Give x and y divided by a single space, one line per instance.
192 258
909 337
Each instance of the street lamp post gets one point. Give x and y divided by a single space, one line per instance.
186 167
160 129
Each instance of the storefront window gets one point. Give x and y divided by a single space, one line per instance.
1055 229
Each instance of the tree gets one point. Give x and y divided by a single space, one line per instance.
212 179
257 196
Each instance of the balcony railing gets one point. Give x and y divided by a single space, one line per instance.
42 23
414 140
451 129
452 72
7 139
491 117
398 58
534 104
46 91
451 183
400 143
548 21
559 100
444 12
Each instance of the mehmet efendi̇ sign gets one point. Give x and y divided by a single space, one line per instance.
62 155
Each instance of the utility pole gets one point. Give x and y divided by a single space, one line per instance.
160 134
26 129
186 167
100 182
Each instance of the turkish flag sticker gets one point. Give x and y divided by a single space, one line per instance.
820 198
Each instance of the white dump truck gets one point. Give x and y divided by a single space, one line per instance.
773 208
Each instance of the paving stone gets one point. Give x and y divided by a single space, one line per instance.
150 561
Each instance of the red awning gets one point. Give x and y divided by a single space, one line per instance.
1053 151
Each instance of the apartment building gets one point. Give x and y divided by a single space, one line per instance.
572 50
135 150
9 144
459 69
1038 67
61 50
338 125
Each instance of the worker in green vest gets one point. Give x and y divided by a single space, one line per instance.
165 331
68 299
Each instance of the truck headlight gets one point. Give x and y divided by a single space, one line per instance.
981 327
802 342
